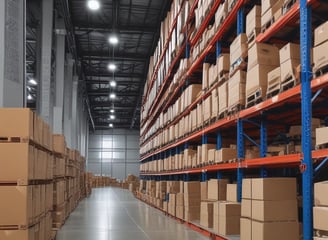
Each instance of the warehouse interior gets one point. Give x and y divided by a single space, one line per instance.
173 119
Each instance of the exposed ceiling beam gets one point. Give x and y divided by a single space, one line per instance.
84 27
106 93
108 74
97 82
104 56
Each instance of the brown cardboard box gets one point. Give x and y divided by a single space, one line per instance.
16 205
246 208
217 189
223 97
253 19
206 214
192 188
321 135
205 148
223 63
203 190
274 188
257 79
229 225
285 210
200 116
192 213
321 193
211 155
266 4
207 105
236 87
221 13
238 48
289 51
232 192
179 199
264 54
229 209
205 79
247 188
288 70
274 76
321 34
14 155
275 230
215 106
180 212
225 154
28 234
17 122
245 229
193 92
320 58
320 216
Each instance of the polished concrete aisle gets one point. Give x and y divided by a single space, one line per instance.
114 214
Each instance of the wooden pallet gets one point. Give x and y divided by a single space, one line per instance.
321 71
266 25
287 6
288 83
254 98
232 5
235 109
223 114
223 76
252 36
6 139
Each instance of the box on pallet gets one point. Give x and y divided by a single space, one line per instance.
225 154
236 88
238 48
320 194
223 97
229 218
275 230
264 54
205 149
217 189
321 34
206 214
253 20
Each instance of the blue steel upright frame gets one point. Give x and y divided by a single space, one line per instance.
306 76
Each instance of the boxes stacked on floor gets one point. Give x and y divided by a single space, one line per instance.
320 59
191 201
237 82
271 12
262 59
269 209
25 176
320 210
253 24
289 66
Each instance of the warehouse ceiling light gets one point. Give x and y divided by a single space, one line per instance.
33 82
93 5
113 84
111 66
112 117
112 96
113 39
111 125
29 97
112 111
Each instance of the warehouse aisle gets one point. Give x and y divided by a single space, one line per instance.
112 213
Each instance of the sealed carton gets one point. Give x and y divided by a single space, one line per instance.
266 5
245 229
247 188
232 192
236 87
206 214
320 57
321 194
238 48
217 189
274 79
203 190
225 154
253 19
290 51
321 34
288 70
223 63
246 208
264 54
223 97
321 135
275 230
205 149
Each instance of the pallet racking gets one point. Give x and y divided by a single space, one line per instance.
259 115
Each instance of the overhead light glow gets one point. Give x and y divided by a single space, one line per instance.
112 95
112 111
111 125
29 97
33 82
113 39
111 66
112 117
112 83
93 5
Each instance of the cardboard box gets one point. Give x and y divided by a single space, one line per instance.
320 57
205 78
274 188
28 234
253 19
238 48
14 155
217 189
320 216
229 209
193 92
257 79
321 193
289 51
179 212
274 76
205 149
266 4
225 154
179 199
17 205
264 54
245 229
229 225
246 208
236 87
232 192
275 230
223 97
288 70
192 213
246 188
223 63
207 111
215 106
321 34
203 191
321 135
206 214
285 210
17 122
211 155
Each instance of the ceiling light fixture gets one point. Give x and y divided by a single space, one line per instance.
111 66
112 96
112 117
113 39
111 125
93 5
112 83
29 97
33 82
112 111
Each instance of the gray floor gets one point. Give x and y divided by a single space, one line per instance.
112 213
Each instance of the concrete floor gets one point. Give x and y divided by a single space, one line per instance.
112 213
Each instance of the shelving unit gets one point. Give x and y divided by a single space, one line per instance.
260 114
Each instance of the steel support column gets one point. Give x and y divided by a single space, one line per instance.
74 126
218 49
218 140
241 21
240 155
263 143
306 76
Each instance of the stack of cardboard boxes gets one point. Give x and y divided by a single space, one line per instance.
320 210
192 201
271 12
253 24
262 59
320 58
269 209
